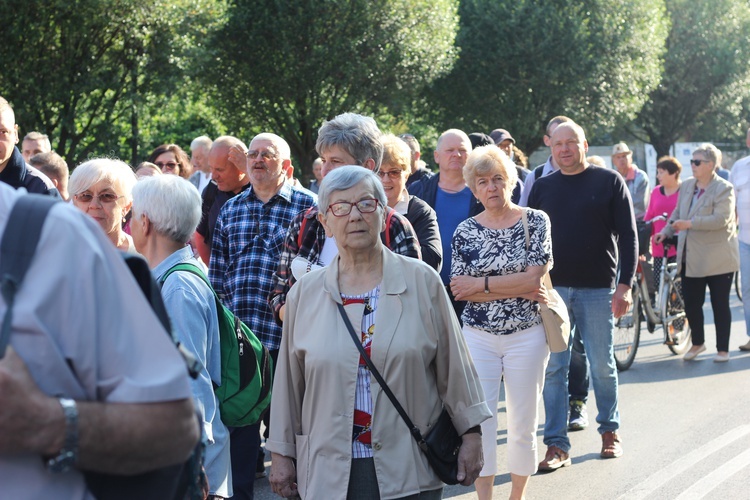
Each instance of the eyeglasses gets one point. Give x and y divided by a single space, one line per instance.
170 165
266 155
104 198
392 174
343 208
697 163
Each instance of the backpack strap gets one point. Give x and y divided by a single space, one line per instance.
17 250
302 227
538 171
388 227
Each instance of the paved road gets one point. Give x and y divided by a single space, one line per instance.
685 430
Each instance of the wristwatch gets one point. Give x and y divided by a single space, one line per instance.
68 456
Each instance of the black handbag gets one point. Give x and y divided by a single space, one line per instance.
441 443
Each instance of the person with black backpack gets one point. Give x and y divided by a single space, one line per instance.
160 231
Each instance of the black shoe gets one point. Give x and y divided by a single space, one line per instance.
260 466
579 417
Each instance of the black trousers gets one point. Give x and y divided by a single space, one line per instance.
694 291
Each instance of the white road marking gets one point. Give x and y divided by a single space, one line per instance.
661 477
715 478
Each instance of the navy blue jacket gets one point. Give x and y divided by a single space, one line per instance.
18 174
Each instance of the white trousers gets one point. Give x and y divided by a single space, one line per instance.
520 359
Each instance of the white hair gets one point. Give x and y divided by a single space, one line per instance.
203 141
116 172
171 203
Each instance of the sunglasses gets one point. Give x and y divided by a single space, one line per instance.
697 163
104 198
170 165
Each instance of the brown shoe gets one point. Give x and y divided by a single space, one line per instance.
554 459
611 447
745 347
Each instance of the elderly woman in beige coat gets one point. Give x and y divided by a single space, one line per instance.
707 248
346 436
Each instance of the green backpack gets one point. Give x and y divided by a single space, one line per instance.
246 365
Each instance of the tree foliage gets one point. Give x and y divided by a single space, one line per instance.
705 72
83 71
524 61
287 66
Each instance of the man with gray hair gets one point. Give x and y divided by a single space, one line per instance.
35 143
160 232
199 149
53 166
348 139
14 170
245 251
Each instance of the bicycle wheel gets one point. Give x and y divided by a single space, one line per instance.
627 334
738 285
678 329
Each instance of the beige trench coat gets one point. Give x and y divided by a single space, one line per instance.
418 348
711 244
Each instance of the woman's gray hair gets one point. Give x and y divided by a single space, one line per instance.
116 172
486 159
710 153
346 177
171 203
356 134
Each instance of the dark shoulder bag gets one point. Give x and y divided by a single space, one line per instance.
441 443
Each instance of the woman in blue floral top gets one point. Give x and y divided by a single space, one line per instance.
501 280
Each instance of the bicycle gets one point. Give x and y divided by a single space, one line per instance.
668 312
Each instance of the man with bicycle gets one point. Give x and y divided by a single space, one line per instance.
592 219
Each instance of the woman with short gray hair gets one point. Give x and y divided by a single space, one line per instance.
325 415
102 188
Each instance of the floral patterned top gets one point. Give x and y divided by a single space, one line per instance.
480 251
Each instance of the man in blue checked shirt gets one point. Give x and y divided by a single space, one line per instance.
245 250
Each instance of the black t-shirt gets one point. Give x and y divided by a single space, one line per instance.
213 200
592 222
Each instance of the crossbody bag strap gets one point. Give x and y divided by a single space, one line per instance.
375 373
525 222
17 250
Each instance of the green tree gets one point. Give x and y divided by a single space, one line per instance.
83 71
524 61
287 66
705 74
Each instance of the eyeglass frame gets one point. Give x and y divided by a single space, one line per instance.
392 174
267 155
98 197
350 205
161 165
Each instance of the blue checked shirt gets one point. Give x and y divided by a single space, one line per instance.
247 241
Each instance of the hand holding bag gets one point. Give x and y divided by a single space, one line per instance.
441 443
554 313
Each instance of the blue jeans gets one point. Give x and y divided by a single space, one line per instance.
591 318
745 276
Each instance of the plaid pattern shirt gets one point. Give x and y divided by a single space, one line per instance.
402 238
245 253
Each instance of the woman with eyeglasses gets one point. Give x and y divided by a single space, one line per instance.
171 159
346 436
102 188
394 170
707 248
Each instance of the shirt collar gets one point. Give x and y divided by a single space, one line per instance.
402 206
284 192
184 254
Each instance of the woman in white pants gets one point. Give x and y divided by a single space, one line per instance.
500 278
